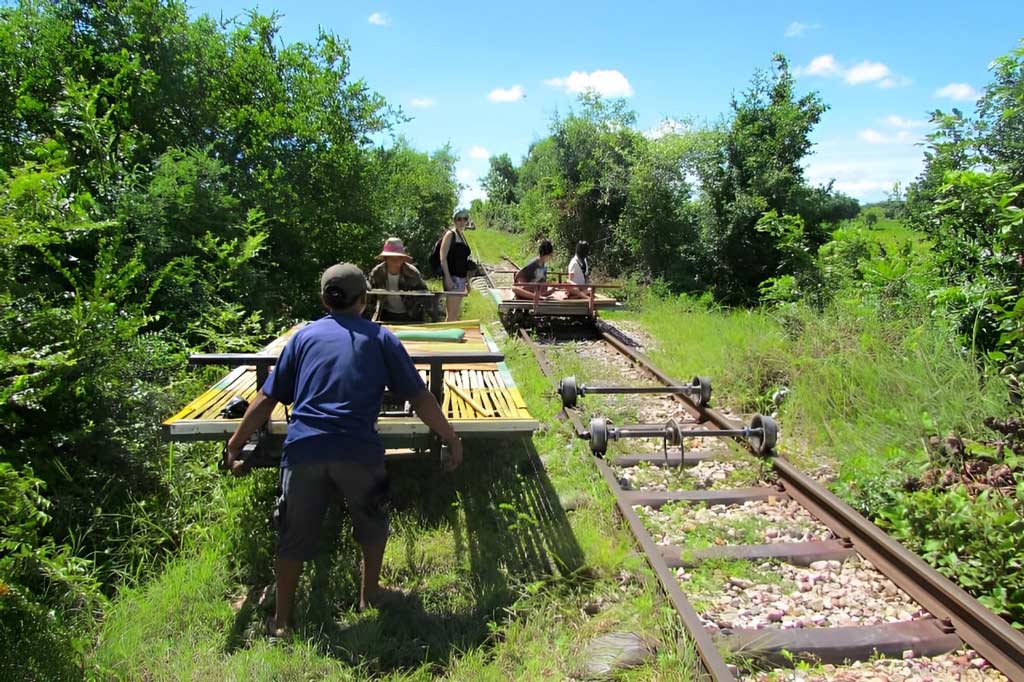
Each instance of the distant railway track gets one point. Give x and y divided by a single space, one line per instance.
947 619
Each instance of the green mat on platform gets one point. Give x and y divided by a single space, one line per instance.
453 335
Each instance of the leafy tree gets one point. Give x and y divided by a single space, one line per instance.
1001 115
166 184
501 179
757 171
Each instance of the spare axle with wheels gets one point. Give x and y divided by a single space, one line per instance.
761 434
699 390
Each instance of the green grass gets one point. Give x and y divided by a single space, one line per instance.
863 391
497 574
490 245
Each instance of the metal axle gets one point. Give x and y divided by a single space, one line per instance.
699 390
761 434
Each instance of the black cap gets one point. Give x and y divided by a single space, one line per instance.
346 278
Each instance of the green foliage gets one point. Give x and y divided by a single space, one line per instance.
501 179
683 207
759 170
1001 115
167 184
977 541
968 200
37 642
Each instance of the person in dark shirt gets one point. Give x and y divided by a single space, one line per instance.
455 263
333 373
534 272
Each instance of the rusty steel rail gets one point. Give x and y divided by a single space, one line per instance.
715 665
987 633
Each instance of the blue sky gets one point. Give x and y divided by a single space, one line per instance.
487 78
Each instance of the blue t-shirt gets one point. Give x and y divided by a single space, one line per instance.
333 372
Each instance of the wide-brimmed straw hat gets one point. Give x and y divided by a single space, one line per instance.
393 248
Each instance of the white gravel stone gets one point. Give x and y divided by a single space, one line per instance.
846 596
776 521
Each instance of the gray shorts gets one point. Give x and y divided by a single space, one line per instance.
308 489
458 283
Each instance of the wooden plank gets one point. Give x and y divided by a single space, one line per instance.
446 405
468 399
218 404
210 394
464 411
218 430
488 367
516 399
486 386
499 395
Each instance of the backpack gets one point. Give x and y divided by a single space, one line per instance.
435 256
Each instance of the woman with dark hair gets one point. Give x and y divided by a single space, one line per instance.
579 270
534 272
455 263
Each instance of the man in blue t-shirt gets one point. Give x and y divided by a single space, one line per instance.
333 373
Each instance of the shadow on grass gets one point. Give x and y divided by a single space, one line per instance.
465 546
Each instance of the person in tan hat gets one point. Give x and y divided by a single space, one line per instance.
397 273
333 373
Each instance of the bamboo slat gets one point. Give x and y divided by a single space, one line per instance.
468 399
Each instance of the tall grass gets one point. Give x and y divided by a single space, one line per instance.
490 245
863 391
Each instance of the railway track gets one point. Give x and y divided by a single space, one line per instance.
811 541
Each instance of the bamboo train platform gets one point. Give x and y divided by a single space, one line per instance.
469 378
558 304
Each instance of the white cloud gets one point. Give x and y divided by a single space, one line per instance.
470 192
961 92
826 66
866 72
469 186
903 123
378 19
867 172
606 82
513 94
905 131
797 28
422 102
668 126
894 82
479 152
872 136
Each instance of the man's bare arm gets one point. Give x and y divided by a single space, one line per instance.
260 409
429 412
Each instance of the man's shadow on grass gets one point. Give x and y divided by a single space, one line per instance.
470 544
